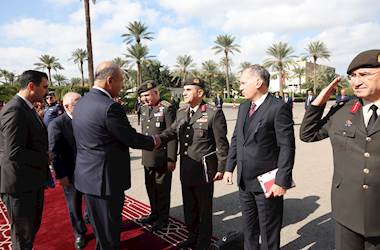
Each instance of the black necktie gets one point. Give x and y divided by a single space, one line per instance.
252 109
373 118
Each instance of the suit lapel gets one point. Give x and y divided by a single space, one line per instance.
376 127
358 120
257 117
242 116
196 116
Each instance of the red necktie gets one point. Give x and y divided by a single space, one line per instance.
252 109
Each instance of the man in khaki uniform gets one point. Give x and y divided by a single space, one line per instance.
354 131
156 116
201 131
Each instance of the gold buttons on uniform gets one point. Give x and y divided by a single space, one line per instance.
147 126
188 127
187 136
185 153
366 171
365 186
344 133
368 139
366 155
186 144
148 121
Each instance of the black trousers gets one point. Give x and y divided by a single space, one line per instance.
24 214
346 239
105 217
197 207
158 182
261 217
74 205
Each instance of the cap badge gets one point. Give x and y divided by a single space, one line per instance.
196 80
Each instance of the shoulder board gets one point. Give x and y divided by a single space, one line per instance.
165 103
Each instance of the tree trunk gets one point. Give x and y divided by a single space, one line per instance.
139 78
50 76
315 77
89 42
282 81
81 71
227 75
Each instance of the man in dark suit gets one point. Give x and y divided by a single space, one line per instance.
24 159
354 132
103 136
156 116
218 101
63 149
343 97
288 100
263 140
309 99
201 130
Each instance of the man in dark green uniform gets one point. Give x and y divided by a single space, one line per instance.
354 131
201 131
156 116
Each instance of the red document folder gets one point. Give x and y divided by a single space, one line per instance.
267 179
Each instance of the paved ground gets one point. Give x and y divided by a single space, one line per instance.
307 222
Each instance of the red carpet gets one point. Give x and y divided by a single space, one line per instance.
56 232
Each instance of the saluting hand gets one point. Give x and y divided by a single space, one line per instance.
326 92
228 178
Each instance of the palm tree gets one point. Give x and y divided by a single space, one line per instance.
59 79
280 59
89 41
184 64
225 44
139 53
8 76
299 72
79 56
75 81
244 65
49 63
315 51
136 31
209 72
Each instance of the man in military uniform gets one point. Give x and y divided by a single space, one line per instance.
354 131
156 116
201 131
53 108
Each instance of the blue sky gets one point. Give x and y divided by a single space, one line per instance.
56 27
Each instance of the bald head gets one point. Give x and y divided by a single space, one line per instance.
69 101
109 77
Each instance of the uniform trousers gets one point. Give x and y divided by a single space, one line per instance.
346 239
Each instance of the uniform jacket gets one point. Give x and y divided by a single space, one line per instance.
155 120
103 136
52 112
205 132
356 180
23 148
62 145
269 144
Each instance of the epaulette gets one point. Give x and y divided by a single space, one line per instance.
165 103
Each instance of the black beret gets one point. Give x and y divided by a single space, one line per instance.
51 93
365 59
195 81
147 85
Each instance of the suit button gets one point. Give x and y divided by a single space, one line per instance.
366 155
366 171
187 136
365 187
185 153
368 139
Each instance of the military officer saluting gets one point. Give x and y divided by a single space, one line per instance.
53 108
201 130
354 131
156 116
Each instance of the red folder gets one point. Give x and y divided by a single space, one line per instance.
267 179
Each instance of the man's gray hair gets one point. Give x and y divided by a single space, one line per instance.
260 72
106 71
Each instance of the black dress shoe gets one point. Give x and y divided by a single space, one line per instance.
190 242
148 220
158 226
79 242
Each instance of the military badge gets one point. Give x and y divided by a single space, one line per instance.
348 123
196 80
355 107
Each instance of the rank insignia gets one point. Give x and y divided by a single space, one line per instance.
355 107
348 123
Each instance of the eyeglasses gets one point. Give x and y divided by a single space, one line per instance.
361 75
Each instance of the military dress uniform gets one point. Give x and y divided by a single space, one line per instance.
356 180
52 112
154 120
202 134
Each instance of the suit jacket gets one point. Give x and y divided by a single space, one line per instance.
205 132
269 144
218 103
341 98
289 101
356 180
23 148
62 145
103 136
154 122
308 103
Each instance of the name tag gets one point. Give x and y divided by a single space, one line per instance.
158 114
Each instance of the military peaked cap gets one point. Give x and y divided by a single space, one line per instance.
195 81
365 59
147 85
